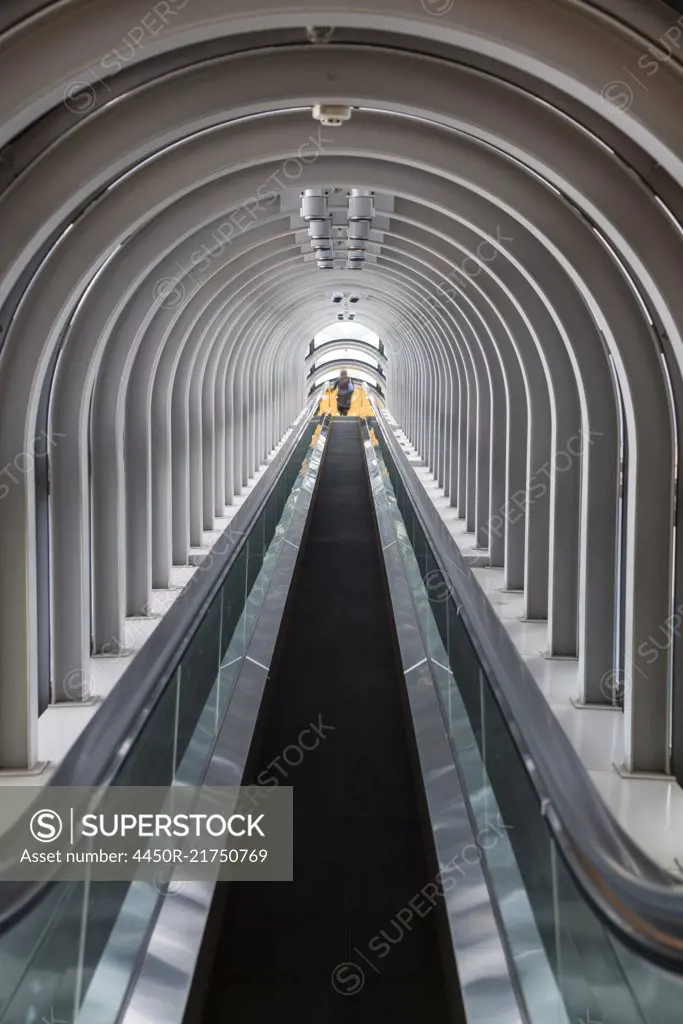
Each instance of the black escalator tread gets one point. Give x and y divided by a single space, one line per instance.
359 857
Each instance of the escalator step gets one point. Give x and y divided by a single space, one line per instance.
358 857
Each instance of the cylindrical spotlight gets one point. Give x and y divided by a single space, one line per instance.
361 204
320 228
359 229
314 204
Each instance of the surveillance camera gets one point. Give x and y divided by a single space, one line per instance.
330 115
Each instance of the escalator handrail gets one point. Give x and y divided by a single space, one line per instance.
349 362
318 390
341 343
640 901
102 746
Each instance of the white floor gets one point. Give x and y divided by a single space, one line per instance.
61 724
649 809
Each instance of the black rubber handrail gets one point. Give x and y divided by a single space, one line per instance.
641 902
101 748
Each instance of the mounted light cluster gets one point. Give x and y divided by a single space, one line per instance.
328 248
346 298
316 214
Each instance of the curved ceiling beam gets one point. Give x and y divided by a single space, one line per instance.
330 369
410 82
344 343
421 136
570 48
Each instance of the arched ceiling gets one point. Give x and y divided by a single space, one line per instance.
527 164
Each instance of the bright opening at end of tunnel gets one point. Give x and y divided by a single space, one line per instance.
338 354
346 329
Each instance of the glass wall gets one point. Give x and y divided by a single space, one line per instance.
569 966
86 938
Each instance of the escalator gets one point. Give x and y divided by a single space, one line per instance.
452 858
359 856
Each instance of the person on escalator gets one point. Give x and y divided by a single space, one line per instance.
344 386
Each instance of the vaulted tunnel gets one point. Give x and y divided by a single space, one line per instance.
170 308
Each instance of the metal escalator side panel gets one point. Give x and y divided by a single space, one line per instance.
588 924
484 974
166 974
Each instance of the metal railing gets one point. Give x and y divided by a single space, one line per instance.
640 901
97 754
